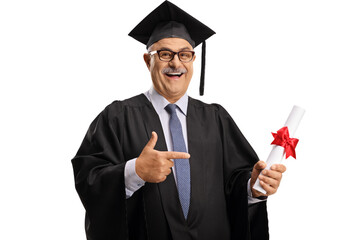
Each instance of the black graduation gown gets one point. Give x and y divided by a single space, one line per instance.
220 163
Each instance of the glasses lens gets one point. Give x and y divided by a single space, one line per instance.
186 56
166 55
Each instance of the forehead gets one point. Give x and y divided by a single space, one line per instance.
174 44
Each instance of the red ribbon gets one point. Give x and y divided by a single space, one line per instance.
282 138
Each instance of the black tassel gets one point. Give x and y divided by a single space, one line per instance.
202 76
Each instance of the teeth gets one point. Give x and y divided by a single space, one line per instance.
174 74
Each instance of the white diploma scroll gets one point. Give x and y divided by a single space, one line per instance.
277 153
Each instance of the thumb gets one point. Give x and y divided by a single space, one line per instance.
152 142
258 167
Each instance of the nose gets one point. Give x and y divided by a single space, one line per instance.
175 62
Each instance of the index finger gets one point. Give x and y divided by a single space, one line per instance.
278 167
176 155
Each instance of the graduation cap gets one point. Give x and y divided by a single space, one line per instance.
169 21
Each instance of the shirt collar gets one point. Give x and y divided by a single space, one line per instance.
159 102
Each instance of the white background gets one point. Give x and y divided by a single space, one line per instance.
62 62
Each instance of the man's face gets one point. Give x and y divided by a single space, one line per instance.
166 76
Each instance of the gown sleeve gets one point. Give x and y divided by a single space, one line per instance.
99 180
239 159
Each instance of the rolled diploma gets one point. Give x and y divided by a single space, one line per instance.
277 153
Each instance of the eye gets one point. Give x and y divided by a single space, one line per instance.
185 55
165 54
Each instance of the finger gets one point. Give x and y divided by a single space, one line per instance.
278 167
269 189
176 155
272 174
270 181
166 164
167 173
152 142
258 167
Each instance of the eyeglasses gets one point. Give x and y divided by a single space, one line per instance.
168 55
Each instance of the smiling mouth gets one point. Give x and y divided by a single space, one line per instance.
172 75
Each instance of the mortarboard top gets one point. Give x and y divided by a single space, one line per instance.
169 21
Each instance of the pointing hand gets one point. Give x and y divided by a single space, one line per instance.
154 166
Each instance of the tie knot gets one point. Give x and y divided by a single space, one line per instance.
170 108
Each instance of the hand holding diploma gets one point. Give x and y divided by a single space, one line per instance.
271 171
269 178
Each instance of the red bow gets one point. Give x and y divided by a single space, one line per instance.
281 138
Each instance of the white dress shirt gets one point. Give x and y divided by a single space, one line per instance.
132 181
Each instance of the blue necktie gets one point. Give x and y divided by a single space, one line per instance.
182 166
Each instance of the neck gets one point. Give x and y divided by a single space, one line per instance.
170 98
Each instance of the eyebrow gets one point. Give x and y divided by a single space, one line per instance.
168 49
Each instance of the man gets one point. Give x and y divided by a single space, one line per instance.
162 165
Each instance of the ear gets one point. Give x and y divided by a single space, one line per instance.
147 59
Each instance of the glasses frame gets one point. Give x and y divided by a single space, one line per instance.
174 53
